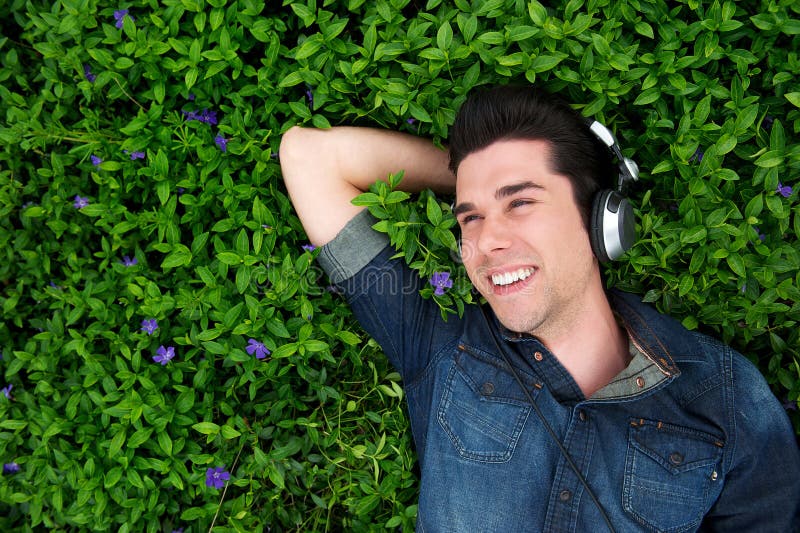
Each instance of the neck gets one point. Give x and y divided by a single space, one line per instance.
595 348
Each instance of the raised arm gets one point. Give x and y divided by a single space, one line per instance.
325 169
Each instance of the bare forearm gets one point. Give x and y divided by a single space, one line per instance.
325 169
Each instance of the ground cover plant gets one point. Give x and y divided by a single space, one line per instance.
172 357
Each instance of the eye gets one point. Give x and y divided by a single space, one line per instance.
468 218
519 202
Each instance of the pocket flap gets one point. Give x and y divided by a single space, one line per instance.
677 449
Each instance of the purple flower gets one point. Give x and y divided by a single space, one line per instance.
119 17
698 156
53 284
179 530
255 347
135 155
309 247
80 202
96 160
164 355
206 116
180 190
7 391
442 281
10 468
149 325
87 73
209 117
191 97
129 261
310 97
216 477
761 236
410 121
222 142
784 190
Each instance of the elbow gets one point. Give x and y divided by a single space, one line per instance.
293 158
290 147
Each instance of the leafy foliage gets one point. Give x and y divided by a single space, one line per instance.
165 120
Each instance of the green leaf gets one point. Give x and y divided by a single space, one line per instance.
13 424
537 12
191 77
165 443
444 37
754 206
643 28
648 96
112 477
180 256
229 258
794 98
284 351
726 143
736 264
139 437
546 62
116 443
229 433
309 47
291 79
206 428
745 119
696 234
769 159
434 211
601 45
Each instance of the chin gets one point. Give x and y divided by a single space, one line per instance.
517 322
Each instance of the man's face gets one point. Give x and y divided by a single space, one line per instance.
524 244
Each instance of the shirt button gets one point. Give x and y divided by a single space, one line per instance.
538 356
582 415
565 496
640 382
487 388
675 458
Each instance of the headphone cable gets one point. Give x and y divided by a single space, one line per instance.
547 426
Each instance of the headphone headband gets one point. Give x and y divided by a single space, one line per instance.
628 169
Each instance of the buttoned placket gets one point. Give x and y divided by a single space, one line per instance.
578 438
567 489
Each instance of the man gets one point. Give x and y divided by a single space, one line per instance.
560 407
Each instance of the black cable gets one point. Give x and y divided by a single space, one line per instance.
549 429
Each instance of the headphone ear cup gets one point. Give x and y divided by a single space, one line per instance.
613 225
596 225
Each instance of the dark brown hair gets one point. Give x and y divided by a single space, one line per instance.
510 112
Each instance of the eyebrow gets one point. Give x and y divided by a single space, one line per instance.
502 192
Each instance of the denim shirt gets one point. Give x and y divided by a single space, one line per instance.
688 437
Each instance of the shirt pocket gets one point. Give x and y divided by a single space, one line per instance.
671 474
482 410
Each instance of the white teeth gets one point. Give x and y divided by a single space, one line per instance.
510 277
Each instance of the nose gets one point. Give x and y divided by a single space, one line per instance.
494 236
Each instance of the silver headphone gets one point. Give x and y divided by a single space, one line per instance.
612 228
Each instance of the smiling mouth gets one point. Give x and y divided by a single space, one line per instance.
508 278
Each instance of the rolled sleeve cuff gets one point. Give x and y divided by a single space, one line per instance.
353 248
